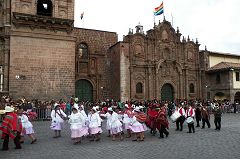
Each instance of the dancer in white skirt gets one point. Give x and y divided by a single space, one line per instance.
107 116
57 116
78 128
126 119
115 125
94 124
137 127
27 127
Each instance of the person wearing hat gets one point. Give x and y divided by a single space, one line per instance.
58 117
181 119
152 115
162 123
205 116
217 117
127 115
115 125
27 126
11 127
137 124
190 114
94 124
78 128
106 115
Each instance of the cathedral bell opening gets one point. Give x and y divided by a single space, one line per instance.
44 7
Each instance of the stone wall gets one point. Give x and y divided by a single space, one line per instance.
97 64
46 67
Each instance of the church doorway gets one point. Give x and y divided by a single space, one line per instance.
167 92
84 90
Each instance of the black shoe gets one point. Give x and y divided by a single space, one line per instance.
167 134
98 139
33 141
177 129
5 149
18 147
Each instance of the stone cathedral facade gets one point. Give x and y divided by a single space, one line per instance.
43 56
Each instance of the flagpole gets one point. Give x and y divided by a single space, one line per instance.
83 22
154 20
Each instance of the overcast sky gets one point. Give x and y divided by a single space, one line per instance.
216 23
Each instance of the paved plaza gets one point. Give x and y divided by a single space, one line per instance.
204 144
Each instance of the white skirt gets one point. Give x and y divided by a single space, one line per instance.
27 131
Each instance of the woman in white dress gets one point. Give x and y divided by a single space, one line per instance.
127 119
27 127
136 126
58 117
94 124
78 129
115 125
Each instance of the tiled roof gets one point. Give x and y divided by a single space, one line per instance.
224 66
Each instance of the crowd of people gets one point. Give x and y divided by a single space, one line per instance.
130 119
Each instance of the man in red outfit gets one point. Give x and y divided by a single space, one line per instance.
11 127
152 115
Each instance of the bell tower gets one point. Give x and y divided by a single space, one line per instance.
40 39
53 8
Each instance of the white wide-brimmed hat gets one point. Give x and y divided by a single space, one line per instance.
55 105
82 106
137 109
9 109
133 106
110 109
94 108
75 105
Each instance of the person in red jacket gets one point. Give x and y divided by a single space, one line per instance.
162 122
152 114
11 127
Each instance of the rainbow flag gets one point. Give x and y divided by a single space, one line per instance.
159 10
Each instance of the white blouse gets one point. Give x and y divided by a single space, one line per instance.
94 120
56 117
76 121
25 122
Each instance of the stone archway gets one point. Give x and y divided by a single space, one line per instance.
167 92
84 90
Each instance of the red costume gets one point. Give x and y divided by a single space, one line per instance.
162 119
152 115
11 125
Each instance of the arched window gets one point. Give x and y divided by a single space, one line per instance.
191 88
44 7
139 88
83 51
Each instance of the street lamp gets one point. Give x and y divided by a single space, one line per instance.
102 91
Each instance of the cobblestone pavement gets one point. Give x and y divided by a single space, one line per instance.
205 143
